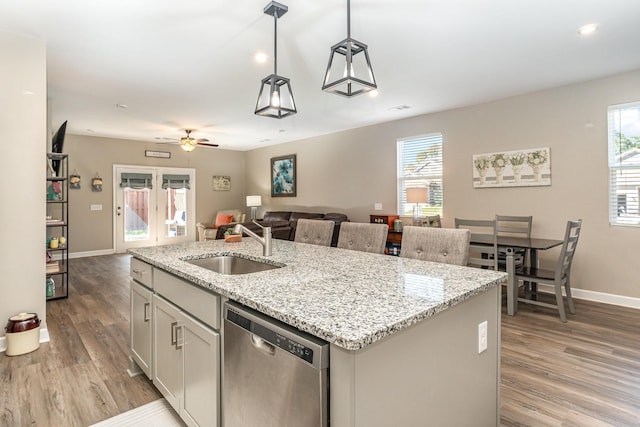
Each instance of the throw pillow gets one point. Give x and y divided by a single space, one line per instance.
223 219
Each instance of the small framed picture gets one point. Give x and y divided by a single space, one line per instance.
283 176
221 183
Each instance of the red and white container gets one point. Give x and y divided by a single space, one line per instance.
23 334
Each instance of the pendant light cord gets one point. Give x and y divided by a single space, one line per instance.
275 42
348 19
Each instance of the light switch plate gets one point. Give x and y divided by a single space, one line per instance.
377 206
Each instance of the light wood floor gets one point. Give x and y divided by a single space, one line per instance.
79 378
582 373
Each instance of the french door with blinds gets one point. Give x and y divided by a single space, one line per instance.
153 206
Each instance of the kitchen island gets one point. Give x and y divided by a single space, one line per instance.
403 334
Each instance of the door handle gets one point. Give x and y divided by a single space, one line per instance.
262 345
174 333
146 312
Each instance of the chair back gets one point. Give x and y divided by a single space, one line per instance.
314 231
483 248
446 245
563 268
363 237
518 226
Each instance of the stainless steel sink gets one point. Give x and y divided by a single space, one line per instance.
230 264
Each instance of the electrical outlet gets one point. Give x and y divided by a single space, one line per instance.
96 207
482 336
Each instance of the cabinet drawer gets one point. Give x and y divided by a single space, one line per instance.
142 272
201 304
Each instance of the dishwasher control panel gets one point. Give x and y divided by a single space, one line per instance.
268 334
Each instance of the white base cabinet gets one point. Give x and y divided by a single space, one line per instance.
175 341
186 369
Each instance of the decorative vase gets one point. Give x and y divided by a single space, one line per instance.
536 172
482 173
499 171
516 172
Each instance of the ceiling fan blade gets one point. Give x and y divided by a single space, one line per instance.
202 140
206 144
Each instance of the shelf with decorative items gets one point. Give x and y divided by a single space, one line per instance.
57 227
394 234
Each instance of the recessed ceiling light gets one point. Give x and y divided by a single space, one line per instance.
123 106
260 57
399 108
27 92
587 29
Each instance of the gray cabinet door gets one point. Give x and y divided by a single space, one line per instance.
167 372
141 326
201 369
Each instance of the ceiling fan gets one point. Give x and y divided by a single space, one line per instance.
187 143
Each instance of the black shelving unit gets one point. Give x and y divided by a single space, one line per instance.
57 223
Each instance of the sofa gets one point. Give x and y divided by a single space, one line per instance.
283 224
209 230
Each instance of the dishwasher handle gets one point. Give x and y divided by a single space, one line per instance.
262 345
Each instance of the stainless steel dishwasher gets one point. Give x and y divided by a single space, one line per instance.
274 375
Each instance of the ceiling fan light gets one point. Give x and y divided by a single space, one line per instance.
188 144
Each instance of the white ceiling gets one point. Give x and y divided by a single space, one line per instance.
189 64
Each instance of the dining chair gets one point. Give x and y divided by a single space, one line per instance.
446 245
515 226
363 237
314 231
559 277
483 249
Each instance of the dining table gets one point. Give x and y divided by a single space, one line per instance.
510 245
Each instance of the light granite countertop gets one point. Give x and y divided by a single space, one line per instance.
348 298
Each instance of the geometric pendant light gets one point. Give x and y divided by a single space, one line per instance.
349 72
275 98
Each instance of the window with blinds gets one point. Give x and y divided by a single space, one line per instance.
624 164
420 166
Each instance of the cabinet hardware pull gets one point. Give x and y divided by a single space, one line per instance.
138 272
146 312
180 338
174 333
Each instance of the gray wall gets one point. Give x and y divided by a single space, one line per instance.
91 231
23 131
350 171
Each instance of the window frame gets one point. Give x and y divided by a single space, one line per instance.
619 173
432 175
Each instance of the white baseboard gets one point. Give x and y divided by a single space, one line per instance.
44 337
91 253
595 296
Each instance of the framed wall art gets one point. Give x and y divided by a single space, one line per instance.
530 167
221 183
283 176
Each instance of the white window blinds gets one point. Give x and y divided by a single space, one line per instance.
420 165
624 164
